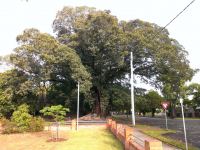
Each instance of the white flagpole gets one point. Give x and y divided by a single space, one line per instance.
77 109
132 92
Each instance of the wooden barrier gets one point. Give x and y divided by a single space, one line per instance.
109 123
125 134
153 145
113 127
128 131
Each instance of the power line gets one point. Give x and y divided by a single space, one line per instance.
177 15
173 19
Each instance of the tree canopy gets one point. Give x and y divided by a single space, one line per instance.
93 47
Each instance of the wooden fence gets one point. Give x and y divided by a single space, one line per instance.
131 142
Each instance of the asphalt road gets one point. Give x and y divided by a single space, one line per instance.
192 128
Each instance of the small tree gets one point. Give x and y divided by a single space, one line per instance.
58 113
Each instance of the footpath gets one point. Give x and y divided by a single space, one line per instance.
139 137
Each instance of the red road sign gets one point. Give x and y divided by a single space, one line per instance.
165 104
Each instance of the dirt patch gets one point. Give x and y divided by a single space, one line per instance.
56 140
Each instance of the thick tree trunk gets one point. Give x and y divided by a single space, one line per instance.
173 111
97 97
153 112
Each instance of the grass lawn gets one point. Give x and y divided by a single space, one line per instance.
84 139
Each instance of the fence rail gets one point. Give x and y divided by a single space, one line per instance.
130 139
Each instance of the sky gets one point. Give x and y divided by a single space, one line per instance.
17 15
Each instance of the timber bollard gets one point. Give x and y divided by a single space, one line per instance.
153 145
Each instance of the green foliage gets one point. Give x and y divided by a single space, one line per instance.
120 97
22 121
103 45
57 112
141 105
6 105
148 102
194 90
92 47
22 118
154 101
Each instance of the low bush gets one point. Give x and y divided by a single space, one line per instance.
22 121
36 124
10 127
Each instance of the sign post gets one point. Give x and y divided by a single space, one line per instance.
165 105
186 145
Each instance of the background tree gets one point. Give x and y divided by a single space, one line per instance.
103 44
99 43
50 67
93 47
120 99
193 90
141 105
153 101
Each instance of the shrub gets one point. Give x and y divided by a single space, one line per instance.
4 122
36 124
22 118
10 127
22 121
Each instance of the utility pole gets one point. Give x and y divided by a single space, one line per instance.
77 109
132 92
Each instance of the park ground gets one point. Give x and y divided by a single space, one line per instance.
84 139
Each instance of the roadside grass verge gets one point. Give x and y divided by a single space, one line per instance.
179 118
159 133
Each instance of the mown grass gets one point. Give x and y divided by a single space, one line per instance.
92 139
159 133
84 139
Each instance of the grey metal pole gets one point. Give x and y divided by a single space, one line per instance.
166 119
132 92
186 144
77 109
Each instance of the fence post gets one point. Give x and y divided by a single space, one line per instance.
127 133
114 127
153 145
109 123
73 124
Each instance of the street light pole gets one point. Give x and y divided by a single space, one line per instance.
77 109
132 92
186 144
